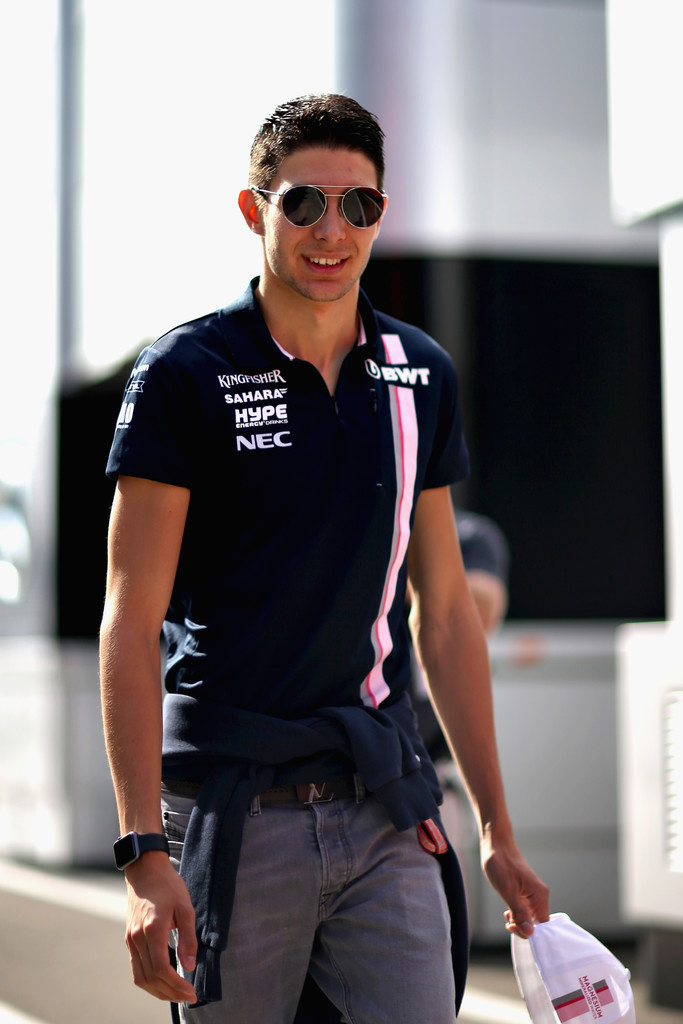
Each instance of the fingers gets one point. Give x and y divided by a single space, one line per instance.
187 937
528 905
525 894
151 967
158 903
523 926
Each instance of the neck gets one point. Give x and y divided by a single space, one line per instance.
322 333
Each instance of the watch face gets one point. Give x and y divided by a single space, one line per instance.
125 851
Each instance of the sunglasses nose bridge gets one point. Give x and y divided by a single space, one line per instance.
332 219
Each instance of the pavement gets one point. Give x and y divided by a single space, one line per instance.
63 959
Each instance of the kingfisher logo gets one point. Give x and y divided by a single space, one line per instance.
410 375
231 380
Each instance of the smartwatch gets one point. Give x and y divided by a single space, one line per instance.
131 847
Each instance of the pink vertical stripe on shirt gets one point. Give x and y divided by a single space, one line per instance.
375 688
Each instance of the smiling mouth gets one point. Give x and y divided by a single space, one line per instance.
324 261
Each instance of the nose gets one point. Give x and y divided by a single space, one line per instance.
332 224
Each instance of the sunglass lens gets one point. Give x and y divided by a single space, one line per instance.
303 205
363 207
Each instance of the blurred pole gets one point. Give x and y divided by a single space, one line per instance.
410 64
69 171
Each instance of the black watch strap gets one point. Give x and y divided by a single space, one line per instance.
131 847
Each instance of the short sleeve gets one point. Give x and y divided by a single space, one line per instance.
449 460
153 433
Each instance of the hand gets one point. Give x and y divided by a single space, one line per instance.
521 888
158 902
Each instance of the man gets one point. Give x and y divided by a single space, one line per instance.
282 466
486 557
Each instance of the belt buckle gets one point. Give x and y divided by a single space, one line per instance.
316 796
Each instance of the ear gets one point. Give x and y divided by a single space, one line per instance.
250 211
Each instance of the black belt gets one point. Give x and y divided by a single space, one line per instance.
345 787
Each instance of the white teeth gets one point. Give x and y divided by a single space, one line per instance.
324 262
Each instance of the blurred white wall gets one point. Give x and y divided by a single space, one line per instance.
167 98
645 89
645 86
173 94
29 277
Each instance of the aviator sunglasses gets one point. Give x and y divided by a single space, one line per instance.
304 205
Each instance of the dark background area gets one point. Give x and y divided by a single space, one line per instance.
559 365
560 377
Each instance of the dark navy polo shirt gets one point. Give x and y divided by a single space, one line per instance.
291 579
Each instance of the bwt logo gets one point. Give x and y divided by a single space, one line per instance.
261 414
253 441
398 374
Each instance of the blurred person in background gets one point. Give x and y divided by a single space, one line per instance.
486 560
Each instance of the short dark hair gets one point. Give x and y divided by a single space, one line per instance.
328 119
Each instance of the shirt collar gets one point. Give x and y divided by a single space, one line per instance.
251 344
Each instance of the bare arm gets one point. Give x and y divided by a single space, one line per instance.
453 652
145 535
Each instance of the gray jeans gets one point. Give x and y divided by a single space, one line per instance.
332 888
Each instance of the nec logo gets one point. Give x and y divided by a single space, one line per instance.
254 441
398 374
